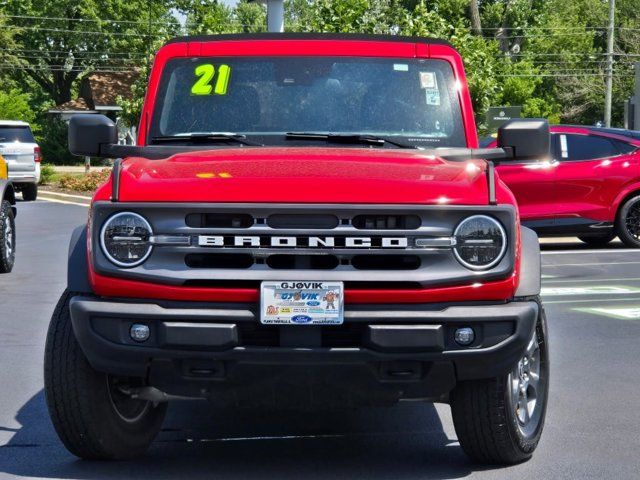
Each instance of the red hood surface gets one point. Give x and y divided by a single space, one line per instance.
304 175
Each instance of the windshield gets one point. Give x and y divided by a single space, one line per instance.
16 134
267 97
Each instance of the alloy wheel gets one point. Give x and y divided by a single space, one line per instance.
632 221
8 238
526 386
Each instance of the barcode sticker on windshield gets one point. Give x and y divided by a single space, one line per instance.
401 67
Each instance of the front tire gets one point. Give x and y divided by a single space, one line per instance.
30 192
500 420
7 237
93 417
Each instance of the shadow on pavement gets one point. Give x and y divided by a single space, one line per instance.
197 442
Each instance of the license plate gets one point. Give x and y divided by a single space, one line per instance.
301 303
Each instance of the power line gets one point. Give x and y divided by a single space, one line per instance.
89 20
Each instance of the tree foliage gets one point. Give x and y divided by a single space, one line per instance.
62 40
14 105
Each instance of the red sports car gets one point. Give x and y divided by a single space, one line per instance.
590 187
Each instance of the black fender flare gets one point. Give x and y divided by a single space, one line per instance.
7 192
78 267
530 264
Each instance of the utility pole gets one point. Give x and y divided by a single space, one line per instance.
608 91
275 14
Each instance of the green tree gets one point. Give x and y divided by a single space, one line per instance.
211 17
14 105
62 40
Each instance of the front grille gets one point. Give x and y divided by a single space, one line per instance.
365 246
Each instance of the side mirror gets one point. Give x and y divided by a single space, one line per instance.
525 139
89 133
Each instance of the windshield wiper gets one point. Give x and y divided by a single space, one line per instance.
347 138
207 137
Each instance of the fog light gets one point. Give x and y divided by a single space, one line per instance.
139 332
464 336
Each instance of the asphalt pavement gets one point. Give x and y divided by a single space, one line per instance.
592 299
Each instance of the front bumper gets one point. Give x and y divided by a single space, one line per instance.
407 351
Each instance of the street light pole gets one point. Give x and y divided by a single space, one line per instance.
608 91
275 14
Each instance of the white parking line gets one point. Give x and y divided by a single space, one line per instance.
618 313
587 291
588 264
574 252
55 200
65 195
599 300
589 280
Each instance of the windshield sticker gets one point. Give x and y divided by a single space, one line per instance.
428 80
432 96
401 67
205 74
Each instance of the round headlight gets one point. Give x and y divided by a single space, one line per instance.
125 239
480 242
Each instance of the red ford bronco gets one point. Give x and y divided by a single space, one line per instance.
306 221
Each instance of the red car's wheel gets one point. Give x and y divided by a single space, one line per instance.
628 222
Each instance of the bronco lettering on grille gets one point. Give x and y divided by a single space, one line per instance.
305 242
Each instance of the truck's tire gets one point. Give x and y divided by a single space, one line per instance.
488 422
7 237
82 402
597 240
628 222
29 192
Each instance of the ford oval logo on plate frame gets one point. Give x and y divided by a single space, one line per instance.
301 303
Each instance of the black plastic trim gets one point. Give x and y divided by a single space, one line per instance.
569 226
115 180
308 36
78 268
7 192
530 265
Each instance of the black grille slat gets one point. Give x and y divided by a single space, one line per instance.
303 262
219 260
311 221
386 222
386 262
219 220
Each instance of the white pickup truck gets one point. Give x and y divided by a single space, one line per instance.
22 153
